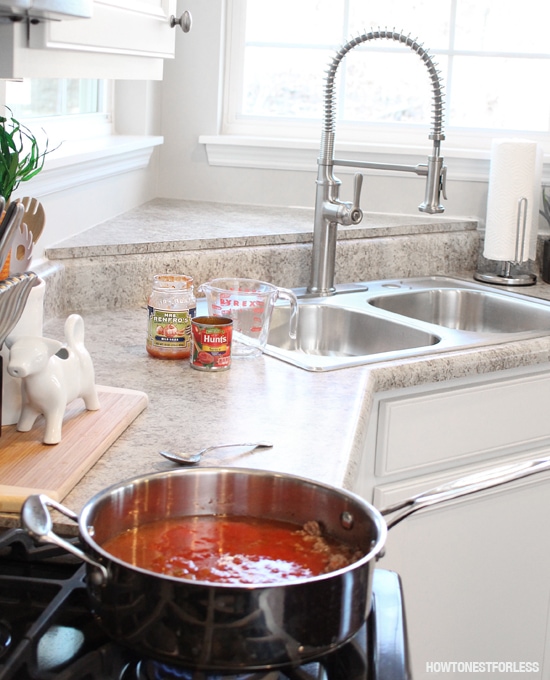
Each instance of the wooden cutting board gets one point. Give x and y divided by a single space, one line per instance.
27 466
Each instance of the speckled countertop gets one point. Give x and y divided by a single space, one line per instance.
168 225
316 421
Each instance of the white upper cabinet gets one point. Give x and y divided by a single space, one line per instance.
126 39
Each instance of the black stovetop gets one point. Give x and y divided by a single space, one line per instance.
47 630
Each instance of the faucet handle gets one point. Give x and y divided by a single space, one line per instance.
356 214
444 182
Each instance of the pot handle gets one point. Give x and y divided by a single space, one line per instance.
36 520
464 486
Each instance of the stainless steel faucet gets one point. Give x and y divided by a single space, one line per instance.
330 211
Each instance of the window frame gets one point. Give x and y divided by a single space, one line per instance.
63 129
104 150
266 144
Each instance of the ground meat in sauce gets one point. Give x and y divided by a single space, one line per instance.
312 534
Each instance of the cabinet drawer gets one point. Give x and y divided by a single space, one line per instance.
462 421
386 495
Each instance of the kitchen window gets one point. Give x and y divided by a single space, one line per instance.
46 97
494 61
65 108
78 117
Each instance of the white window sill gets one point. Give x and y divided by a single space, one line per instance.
78 162
301 155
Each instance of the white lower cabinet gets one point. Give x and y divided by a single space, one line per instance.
475 571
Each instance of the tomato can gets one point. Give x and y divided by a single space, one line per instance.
211 337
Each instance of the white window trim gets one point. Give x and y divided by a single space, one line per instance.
78 163
467 165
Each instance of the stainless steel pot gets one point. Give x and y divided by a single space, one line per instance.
225 627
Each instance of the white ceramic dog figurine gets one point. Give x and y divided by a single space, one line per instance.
52 376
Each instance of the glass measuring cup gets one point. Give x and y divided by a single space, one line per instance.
249 303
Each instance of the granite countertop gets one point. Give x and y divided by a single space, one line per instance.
316 421
169 225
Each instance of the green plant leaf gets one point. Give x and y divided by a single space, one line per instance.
21 157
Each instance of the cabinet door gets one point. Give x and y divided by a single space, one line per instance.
125 39
131 27
476 579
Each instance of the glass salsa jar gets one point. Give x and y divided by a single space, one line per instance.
171 306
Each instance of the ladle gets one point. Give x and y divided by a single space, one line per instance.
192 458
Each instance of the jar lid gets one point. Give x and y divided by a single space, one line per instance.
174 281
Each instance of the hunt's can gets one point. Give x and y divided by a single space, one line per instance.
211 337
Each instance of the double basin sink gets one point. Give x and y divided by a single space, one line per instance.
396 319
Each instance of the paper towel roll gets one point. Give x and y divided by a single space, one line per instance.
516 173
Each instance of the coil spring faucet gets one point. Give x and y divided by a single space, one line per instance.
329 209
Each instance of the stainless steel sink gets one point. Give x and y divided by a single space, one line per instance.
396 319
467 310
330 331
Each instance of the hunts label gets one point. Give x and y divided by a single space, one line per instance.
211 337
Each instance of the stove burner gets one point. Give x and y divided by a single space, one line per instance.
161 671
152 670
348 663
144 671
47 630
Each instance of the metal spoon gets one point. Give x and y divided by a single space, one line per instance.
192 458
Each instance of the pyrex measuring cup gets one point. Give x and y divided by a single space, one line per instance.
249 303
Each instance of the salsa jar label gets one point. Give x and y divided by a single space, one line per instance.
170 328
171 306
211 337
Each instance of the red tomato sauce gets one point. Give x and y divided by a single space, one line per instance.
229 550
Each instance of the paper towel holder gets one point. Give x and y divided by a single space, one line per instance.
505 276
